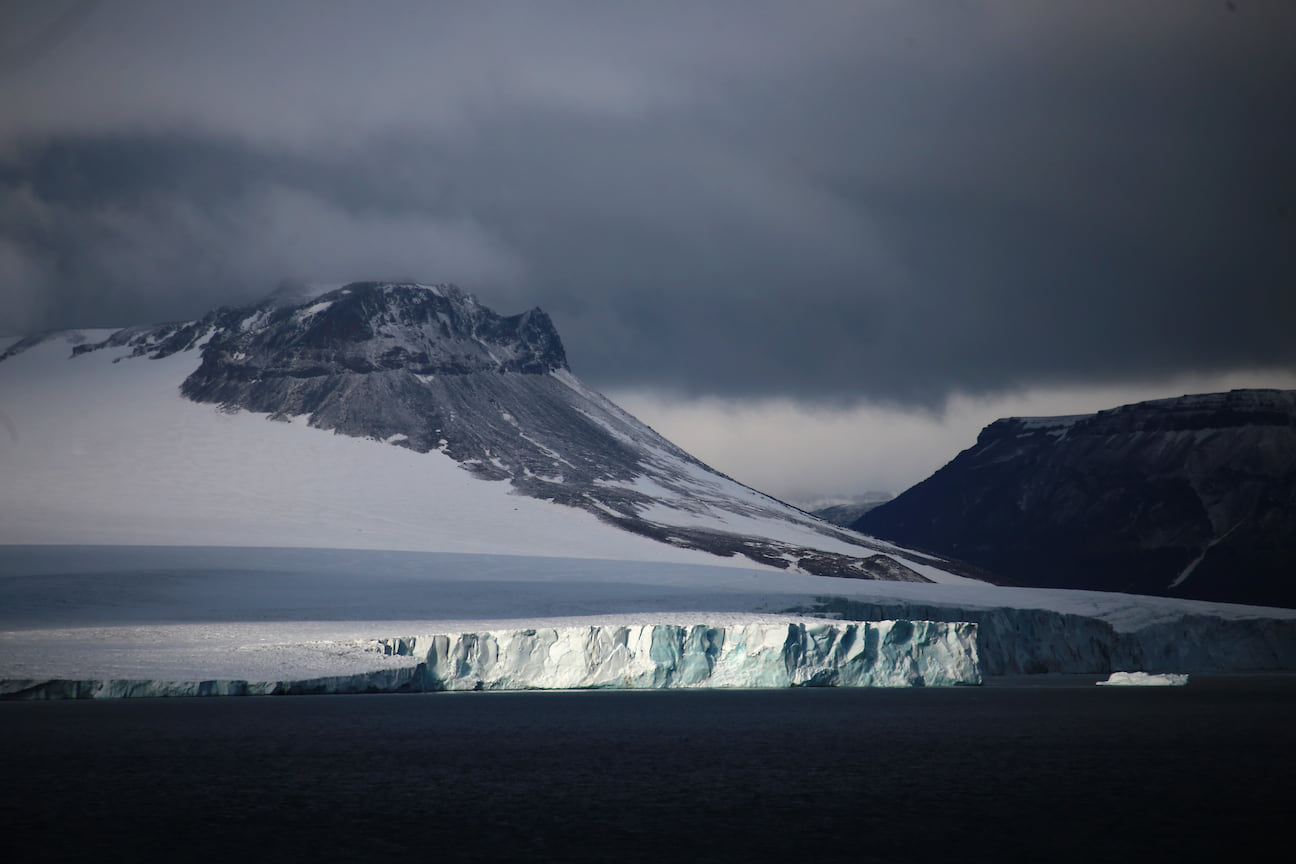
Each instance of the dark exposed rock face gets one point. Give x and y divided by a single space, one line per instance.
429 368
1191 497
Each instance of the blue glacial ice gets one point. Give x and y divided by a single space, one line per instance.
658 656
790 653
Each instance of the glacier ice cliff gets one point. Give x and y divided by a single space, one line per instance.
828 653
1029 641
655 656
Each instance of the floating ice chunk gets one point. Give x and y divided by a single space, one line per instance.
1144 679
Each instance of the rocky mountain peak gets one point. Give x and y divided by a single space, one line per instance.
375 327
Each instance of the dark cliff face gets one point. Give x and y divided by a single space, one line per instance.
1191 497
429 368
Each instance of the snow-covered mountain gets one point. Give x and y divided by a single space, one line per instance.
1188 497
457 429
270 498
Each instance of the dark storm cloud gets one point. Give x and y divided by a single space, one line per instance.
882 201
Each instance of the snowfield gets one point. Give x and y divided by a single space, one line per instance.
100 448
91 455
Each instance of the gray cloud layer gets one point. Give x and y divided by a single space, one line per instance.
889 201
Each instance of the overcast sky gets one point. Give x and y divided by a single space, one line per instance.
819 244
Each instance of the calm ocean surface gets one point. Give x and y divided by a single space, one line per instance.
1025 769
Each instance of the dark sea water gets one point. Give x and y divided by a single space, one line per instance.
1026 769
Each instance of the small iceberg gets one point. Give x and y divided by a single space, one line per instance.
1145 679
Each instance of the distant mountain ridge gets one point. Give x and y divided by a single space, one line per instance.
847 512
430 369
1192 497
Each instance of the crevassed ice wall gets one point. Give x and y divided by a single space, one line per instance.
1035 641
786 654
811 653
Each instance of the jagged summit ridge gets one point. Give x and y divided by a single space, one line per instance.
406 363
361 327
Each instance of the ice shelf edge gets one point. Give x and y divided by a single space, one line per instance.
897 653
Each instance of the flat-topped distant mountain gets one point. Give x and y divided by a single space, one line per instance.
1190 497
456 429
845 512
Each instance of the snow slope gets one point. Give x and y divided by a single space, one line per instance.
102 448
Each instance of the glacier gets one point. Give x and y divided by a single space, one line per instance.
820 653
653 656
86 621
1031 631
